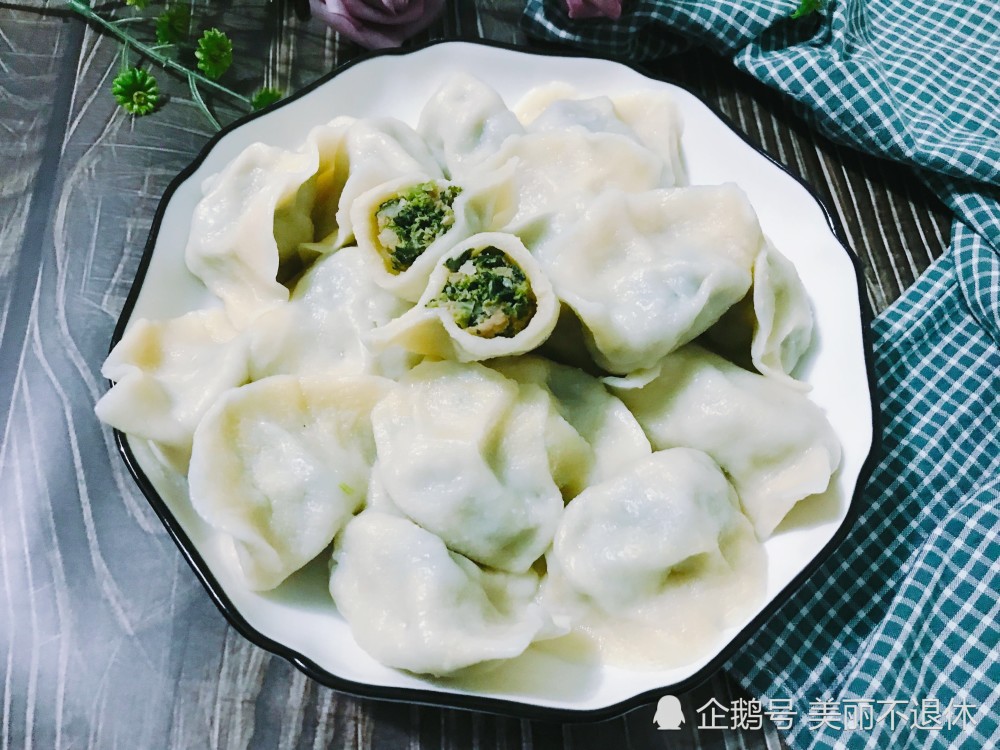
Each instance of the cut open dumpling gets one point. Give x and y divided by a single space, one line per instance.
280 465
354 157
405 225
775 444
486 297
412 604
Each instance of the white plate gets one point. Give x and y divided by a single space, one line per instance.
299 620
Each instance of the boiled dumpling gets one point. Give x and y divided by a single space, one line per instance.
615 437
775 444
649 117
784 321
770 329
477 459
280 465
465 123
412 604
619 539
254 214
485 298
653 563
559 174
647 272
323 328
168 373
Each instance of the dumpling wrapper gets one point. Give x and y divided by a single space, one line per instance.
281 464
477 459
485 204
253 214
465 122
656 562
775 444
601 419
323 328
414 605
647 272
168 373
431 329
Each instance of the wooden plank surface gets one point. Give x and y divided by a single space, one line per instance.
106 638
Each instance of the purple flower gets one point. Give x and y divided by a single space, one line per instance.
594 8
377 24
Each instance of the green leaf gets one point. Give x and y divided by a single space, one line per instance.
808 7
214 53
139 4
173 25
265 97
136 91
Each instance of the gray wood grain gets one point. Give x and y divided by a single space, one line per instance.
106 638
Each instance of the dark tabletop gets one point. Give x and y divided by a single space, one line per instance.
106 637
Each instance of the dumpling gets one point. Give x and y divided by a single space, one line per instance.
414 605
465 123
253 215
486 297
647 272
167 373
614 435
323 328
280 465
649 117
404 226
656 120
474 457
559 174
655 562
783 331
618 539
776 445
773 324
368 153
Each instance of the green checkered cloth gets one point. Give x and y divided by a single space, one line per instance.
893 643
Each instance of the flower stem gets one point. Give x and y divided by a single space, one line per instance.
196 95
153 53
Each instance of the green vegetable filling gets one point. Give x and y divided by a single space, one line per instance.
487 294
410 222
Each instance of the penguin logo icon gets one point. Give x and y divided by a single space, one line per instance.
668 713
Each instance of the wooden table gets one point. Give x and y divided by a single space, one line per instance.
107 638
